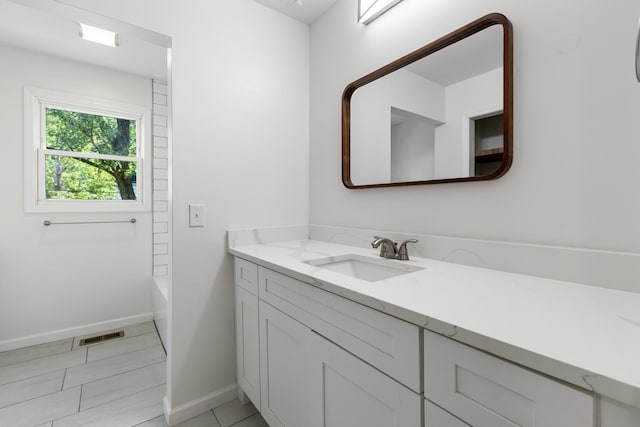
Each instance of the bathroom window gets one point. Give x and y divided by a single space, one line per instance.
84 155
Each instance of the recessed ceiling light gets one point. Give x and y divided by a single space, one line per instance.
98 35
368 10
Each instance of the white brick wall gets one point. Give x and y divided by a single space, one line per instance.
160 182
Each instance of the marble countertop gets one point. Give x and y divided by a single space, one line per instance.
585 335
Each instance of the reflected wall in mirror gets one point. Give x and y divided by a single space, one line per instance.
442 113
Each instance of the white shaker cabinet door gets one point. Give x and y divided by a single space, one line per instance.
485 391
283 368
434 416
345 391
248 344
617 414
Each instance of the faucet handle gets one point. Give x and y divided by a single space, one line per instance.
403 253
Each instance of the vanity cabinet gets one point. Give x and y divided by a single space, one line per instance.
308 357
485 391
323 359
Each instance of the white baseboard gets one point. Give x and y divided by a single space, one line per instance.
166 408
198 406
61 334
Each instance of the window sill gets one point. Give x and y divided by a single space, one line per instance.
84 206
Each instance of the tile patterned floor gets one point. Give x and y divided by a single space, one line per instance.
118 383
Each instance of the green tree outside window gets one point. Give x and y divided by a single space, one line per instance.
98 176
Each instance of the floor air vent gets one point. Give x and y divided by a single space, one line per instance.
100 338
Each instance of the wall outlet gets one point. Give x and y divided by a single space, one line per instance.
196 215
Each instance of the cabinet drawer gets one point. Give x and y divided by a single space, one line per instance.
435 416
485 391
389 344
246 275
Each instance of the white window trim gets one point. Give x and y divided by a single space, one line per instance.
34 191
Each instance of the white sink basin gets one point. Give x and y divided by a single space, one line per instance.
364 268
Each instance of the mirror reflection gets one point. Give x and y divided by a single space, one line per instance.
437 115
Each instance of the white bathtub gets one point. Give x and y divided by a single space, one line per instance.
160 297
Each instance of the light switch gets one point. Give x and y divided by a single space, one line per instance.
196 215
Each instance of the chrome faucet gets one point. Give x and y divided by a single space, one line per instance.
389 249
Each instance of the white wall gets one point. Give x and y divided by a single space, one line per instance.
574 179
240 84
65 276
412 150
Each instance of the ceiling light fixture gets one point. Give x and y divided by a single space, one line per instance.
368 10
98 35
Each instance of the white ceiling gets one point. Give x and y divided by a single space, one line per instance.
50 27
475 55
305 11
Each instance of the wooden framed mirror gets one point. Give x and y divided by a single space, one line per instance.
441 114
